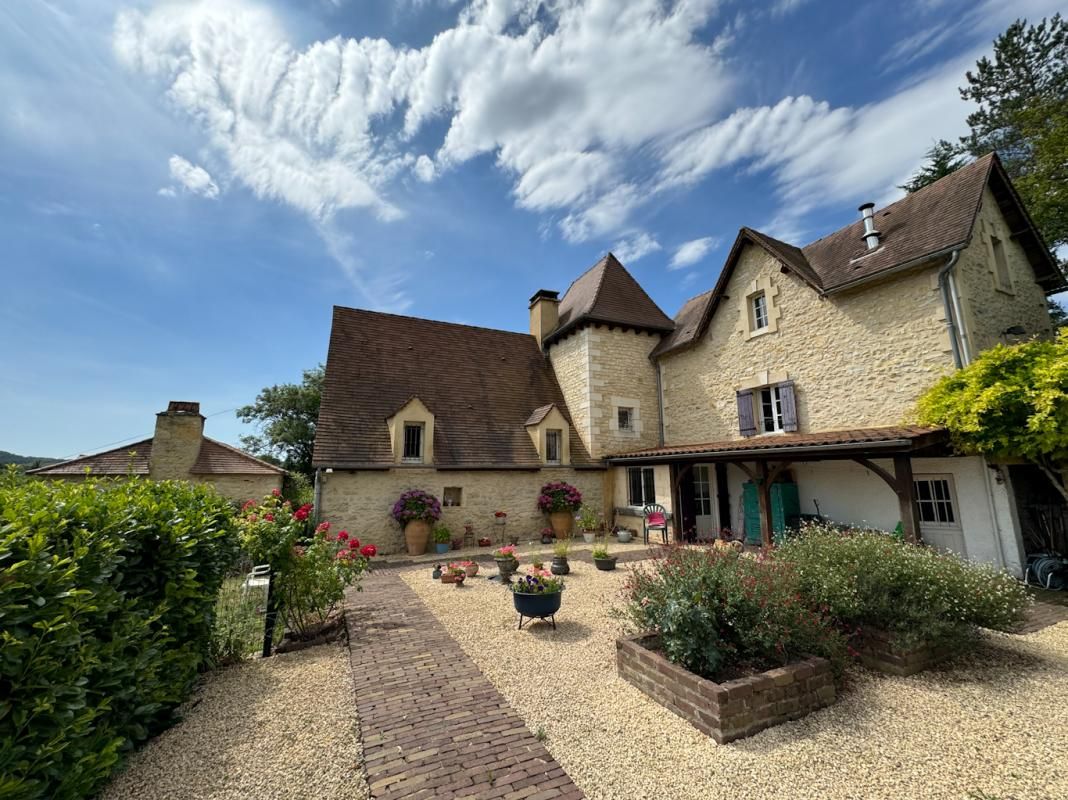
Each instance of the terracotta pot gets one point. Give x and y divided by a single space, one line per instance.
416 535
471 569
562 522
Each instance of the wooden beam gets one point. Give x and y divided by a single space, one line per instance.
906 498
764 494
608 499
674 477
749 472
891 480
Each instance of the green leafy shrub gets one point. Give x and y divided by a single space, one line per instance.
719 612
915 594
107 591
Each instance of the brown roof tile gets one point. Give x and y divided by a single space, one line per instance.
217 458
538 414
130 459
481 385
913 435
607 293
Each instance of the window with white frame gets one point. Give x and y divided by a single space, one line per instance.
554 442
936 501
625 418
769 409
413 442
1001 265
758 309
641 490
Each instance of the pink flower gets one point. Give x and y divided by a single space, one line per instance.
369 551
341 537
323 528
248 505
269 517
276 492
300 514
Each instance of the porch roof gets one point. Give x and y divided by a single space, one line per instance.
797 446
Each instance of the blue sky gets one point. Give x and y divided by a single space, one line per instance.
187 188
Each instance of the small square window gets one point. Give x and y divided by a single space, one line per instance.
553 445
759 310
453 496
413 442
625 418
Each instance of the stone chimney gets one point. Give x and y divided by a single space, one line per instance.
544 313
176 443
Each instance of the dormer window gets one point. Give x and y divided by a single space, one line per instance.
554 445
413 443
759 308
759 311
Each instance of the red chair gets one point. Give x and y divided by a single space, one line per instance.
655 520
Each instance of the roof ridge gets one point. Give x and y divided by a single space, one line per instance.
428 319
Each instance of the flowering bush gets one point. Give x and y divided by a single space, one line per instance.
559 496
540 583
269 529
915 594
718 612
415 504
508 551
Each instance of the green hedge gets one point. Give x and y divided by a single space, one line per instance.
107 591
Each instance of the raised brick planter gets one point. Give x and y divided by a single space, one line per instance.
878 653
731 710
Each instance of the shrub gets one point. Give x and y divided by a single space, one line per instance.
442 534
719 612
107 597
915 594
559 496
415 504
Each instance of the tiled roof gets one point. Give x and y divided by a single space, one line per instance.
217 458
908 437
920 226
607 293
538 414
130 459
481 385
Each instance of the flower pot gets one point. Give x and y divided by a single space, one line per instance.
447 578
547 539
471 569
562 522
506 566
623 536
441 547
589 537
605 564
560 566
536 605
416 535
484 542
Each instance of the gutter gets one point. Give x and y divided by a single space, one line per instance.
757 451
659 402
951 306
894 270
317 497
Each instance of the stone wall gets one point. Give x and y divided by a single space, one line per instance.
621 374
360 502
571 363
878 653
175 445
988 310
857 359
240 488
731 710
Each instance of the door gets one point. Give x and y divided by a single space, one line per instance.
704 521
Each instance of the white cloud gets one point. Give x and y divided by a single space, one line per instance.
692 251
424 169
191 177
634 247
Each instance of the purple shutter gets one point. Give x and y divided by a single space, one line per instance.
788 403
746 424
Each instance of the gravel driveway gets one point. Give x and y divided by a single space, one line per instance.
283 727
991 724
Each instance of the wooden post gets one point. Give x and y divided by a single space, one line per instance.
608 505
764 493
906 498
723 495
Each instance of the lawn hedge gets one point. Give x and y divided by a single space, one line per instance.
107 590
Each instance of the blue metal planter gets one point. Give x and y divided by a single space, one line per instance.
537 606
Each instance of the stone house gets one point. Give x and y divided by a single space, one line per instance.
783 391
178 450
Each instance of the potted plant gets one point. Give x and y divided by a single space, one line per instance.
560 565
453 573
470 568
537 597
442 538
415 510
484 541
560 501
547 536
507 563
624 535
601 558
588 524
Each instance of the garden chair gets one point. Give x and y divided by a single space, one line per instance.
655 519
260 576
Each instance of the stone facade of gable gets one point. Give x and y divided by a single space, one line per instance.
859 359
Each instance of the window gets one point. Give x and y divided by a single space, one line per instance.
452 496
769 409
934 499
553 445
702 494
640 488
625 418
1001 266
759 310
413 442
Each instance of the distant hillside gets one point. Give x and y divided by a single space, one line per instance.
25 461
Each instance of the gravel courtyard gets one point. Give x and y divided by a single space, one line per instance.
991 724
283 727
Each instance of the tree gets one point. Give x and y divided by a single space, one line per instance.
1021 94
1057 314
286 416
943 158
1010 402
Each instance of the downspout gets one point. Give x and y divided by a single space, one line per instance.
993 514
948 304
317 498
660 403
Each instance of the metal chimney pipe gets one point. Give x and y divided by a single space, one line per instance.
871 236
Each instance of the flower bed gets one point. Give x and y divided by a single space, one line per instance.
731 710
877 650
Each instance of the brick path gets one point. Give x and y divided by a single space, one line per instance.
432 724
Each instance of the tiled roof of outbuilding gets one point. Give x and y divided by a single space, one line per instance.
130 459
